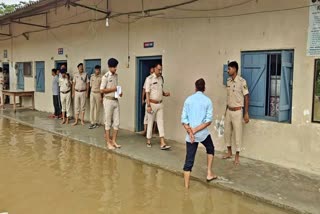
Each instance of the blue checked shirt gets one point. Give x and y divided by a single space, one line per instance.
197 110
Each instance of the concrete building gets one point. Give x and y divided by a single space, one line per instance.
267 37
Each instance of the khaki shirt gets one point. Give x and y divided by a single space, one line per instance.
1 80
154 86
95 83
108 81
64 84
145 82
236 90
80 81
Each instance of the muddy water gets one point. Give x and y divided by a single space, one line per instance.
41 173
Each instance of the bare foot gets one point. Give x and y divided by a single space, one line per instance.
75 123
227 156
110 146
63 122
211 177
116 145
237 160
82 123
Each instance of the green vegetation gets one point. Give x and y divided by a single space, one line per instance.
8 8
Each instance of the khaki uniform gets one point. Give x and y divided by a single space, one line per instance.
154 86
80 81
110 103
95 97
145 120
236 90
1 88
65 95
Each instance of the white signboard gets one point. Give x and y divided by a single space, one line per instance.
313 48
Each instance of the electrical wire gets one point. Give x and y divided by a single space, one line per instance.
215 9
190 17
236 15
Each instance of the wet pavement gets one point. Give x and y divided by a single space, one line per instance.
45 173
291 189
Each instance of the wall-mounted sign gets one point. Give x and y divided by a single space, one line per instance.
313 48
60 51
5 54
148 44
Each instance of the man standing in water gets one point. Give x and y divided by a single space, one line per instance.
196 117
237 98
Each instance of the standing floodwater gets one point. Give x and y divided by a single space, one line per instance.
41 173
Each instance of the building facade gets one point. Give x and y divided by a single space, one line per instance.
267 37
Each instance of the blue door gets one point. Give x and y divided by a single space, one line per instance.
143 71
20 76
254 71
40 77
90 64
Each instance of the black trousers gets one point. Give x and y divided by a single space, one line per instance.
57 105
192 150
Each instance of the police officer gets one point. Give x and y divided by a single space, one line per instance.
65 94
237 99
80 93
95 97
111 105
155 93
145 120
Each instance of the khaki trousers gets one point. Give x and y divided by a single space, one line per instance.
233 128
95 105
156 114
66 103
79 102
111 114
1 97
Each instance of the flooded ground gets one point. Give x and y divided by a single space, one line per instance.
43 173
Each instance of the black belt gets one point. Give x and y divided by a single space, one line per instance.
81 90
155 101
95 91
65 92
111 98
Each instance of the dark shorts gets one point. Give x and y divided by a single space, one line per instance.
192 150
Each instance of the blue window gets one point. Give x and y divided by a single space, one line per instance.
269 77
225 74
40 77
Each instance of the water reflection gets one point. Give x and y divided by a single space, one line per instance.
45 173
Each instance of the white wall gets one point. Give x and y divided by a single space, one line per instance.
192 48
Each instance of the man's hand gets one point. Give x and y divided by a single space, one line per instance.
143 102
73 94
121 94
149 109
191 136
87 94
246 118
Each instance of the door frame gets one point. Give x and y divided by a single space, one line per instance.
139 59
60 61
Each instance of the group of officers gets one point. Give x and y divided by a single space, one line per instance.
102 90
197 113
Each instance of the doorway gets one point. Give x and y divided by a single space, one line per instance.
143 71
59 63
6 85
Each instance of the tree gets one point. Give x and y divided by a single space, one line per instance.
8 8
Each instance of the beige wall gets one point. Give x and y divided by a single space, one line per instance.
192 48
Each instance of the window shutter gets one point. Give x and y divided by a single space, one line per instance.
20 76
254 71
286 86
40 77
225 74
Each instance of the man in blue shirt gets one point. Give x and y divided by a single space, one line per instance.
196 117
56 94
